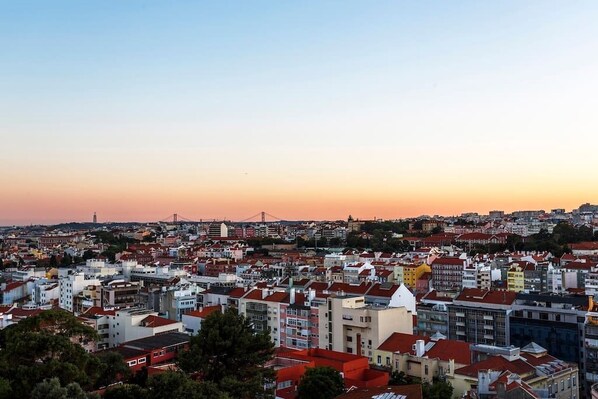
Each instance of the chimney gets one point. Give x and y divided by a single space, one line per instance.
264 293
420 348
292 300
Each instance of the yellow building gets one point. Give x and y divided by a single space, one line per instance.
412 272
515 279
422 357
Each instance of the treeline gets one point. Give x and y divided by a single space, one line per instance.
40 357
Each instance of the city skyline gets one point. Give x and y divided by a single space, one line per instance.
95 218
312 110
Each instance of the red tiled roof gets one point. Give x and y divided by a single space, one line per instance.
237 292
403 343
497 363
433 296
580 265
13 285
156 321
383 290
205 312
487 296
360 289
446 350
448 261
585 246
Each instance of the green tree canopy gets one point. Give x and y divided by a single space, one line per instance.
230 354
44 347
321 383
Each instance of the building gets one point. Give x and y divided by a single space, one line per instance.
533 369
347 324
134 323
192 320
152 351
71 284
555 322
120 294
481 316
290 365
422 357
447 273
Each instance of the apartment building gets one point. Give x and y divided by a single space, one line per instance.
348 324
422 357
447 273
70 284
481 316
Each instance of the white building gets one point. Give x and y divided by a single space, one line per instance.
71 284
133 323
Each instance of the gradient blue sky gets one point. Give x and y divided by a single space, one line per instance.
137 109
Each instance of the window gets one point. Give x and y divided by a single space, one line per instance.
574 381
349 338
426 369
142 360
388 360
379 359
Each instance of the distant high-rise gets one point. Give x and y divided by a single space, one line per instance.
95 218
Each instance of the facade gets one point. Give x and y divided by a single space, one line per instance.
481 316
120 294
130 324
290 365
71 284
552 321
422 357
447 273
349 325
534 371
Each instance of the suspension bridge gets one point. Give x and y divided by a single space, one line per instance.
261 217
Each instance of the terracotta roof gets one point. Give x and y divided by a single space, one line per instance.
445 349
205 312
403 343
156 321
486 296
237 292
579 265
497 363
448 261
585 246
433 296
360 289
383 290
14 285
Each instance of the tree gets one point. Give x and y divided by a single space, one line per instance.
112 368
126 391
49 389
5 389
46 346
176 385
321 383
230 354
400 378
437 390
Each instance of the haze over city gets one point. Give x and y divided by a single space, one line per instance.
309 110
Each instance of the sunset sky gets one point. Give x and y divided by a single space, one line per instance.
303 109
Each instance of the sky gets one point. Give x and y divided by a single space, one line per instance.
306 110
